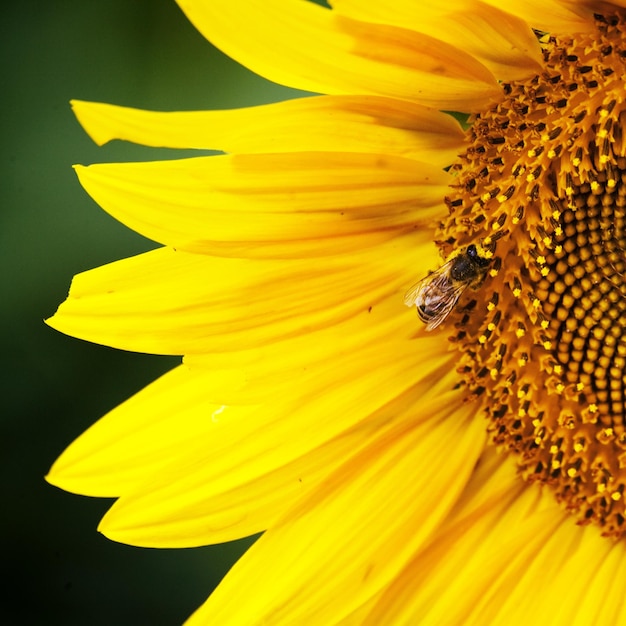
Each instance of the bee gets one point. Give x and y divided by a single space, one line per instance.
436 295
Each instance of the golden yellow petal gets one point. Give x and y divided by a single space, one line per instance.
350 370
507 555
483 546
381 334
142 435
502 42
192 510
602 598
207 203
563 581
379 508
303 45
554 16
171 302
570 579
241 479
327 123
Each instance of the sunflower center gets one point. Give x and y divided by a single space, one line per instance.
542 185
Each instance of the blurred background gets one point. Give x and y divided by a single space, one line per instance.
142 53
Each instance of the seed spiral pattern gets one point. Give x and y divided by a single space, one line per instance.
542 184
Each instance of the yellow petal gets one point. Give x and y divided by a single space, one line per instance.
328 123
140 436
239 481
154 448
505 44
553 16
384 334
305 46
507 555
602 591
564 581
208 203
483 546
379 508
171 302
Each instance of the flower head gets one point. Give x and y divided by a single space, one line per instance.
472 474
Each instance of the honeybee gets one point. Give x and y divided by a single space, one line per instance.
436 295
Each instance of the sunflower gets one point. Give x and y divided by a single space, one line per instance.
466 470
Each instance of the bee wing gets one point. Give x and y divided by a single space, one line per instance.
435 296
442 305
413 294
428 287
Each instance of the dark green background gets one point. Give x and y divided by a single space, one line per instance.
144 53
